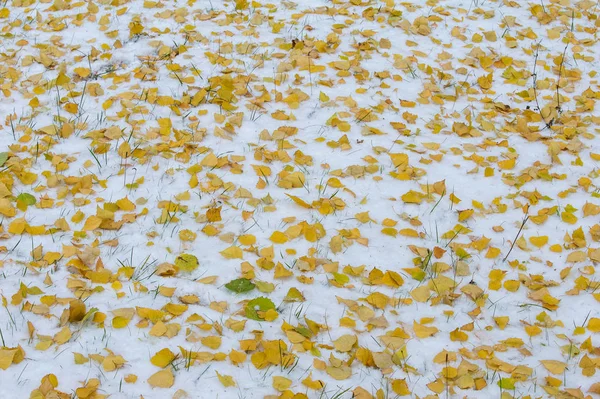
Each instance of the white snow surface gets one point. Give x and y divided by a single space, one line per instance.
379 193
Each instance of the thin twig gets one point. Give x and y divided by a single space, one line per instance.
535 94
560 68
516 238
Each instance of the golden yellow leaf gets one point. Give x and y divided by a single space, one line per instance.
17 226
412 197
594 324
422 331
237 357
9 356
125 204
339 373
62 336
345 343
400 387
278 237
378 300
162 358
539 241
162 379
92 223
120 322
502 321
281 383
554 366
457 335
226 380
299 201
232 252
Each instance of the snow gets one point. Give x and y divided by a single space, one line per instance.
145 244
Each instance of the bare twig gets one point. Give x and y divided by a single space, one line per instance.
516 237
560 68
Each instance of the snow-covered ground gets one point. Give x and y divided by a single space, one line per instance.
322 199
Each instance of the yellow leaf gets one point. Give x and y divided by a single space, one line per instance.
378 300
512 285
568 217
226 380
247 239
422 331
162 379
120 322
412 197
271 315
162 358
464 215
345 343
299 201
590 209
507 164
82 72
278 237
339 373
595 388
539 241
213 342
281 383
214 214
79 358
92 223
262 170
125 204
187 235
71 108
313 384
10 356
187 262
232 252
457 335
420 294
554 366
294 295
502 321
62 336
389 231
594 325
17 226
237 357
400 387
533 330
210 160
492 252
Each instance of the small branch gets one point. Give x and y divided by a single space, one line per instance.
535 94
560 68
516 238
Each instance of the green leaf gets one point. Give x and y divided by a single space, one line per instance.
341 278
303 331
506 383
258 304
26 198
187 262
3 158
240 285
